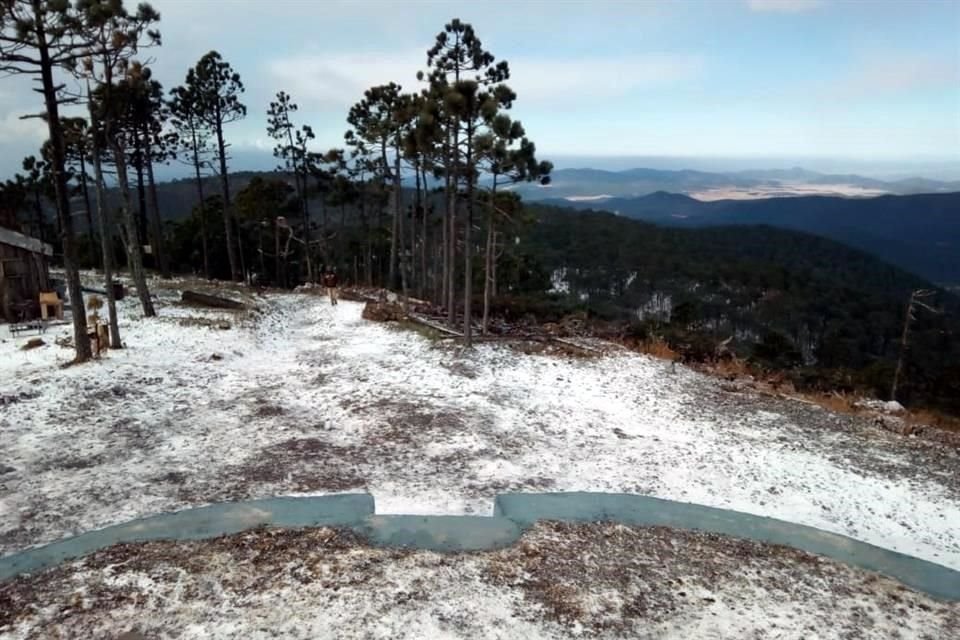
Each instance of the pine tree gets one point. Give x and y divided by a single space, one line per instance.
193 145
292 149
114 37
508 157
469 83
77 147
141 116
218 88
38 37
378 122
97 144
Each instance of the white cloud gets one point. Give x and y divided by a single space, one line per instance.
13 129
335 80
784 6
897 74
590 78
339 80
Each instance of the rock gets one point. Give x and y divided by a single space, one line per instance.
893 407
870 404
216 356
896 425
223 325
33 343
4 469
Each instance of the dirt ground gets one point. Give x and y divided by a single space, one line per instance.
559 580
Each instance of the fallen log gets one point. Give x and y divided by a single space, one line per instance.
576 346
434 325
205 300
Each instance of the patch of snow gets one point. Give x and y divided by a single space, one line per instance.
559 282
307 398
658 307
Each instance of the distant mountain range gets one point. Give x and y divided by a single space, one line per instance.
596 184
919 233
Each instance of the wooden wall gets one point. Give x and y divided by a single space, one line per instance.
24 273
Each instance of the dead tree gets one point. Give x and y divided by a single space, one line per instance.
915 301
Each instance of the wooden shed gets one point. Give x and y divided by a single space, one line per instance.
24 273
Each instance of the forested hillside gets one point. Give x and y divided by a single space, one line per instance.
832 314
919 233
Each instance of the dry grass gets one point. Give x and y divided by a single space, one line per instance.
732 368
835 402
932 418
658 348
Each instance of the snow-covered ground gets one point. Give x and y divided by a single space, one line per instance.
305 398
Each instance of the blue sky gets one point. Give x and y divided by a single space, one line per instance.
762 81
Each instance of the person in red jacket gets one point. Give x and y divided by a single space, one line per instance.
330 283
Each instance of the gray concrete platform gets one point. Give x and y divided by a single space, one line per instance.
513 513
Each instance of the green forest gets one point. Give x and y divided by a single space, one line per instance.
831 315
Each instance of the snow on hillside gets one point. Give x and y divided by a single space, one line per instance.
304 398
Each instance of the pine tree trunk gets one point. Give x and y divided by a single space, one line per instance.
279 280
106 237
225 193
240 253
423 238
159 250
454 169
142 233
134 250
311 275
203 213
367 240
391 278
489 258
904 342
493 267
413 281
443 249
86 200
398 249
468 249
71 267
445 244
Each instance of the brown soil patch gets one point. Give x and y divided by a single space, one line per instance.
298 464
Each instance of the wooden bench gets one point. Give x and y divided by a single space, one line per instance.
33 325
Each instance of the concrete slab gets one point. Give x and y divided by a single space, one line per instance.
441 533
198 524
